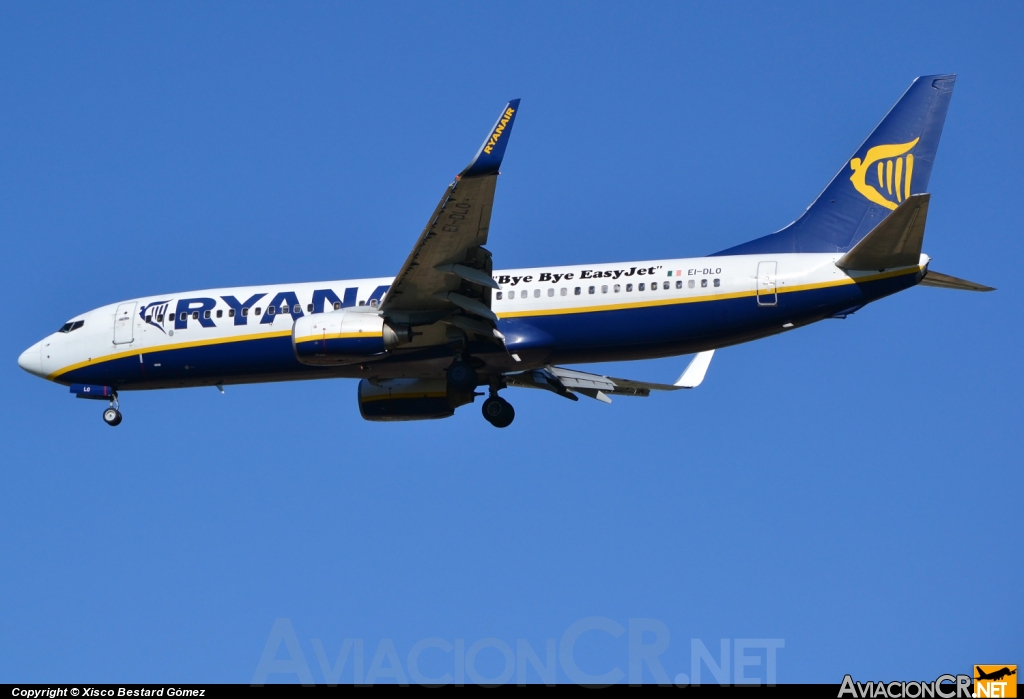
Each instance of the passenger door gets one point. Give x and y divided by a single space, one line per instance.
124 322
767 294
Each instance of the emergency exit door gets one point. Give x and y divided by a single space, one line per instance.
124 321
767 294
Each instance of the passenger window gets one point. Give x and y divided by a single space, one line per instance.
309 308
703 283
337 305
498 296
690 283
183 316
604 288
245 311
160 318
551 291
220 313
231 313
373 303
679 284
629 287
616 288
590 290
718 282
257 310
206 314
666 285
577 291
271 310
149 319
512 294
297 308
640 286
536 293
195 315
362 303
564 291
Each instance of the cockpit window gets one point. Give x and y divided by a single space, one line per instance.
71 325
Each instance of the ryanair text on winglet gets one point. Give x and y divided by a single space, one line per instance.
502 123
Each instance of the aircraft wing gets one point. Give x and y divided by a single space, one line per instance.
568 382
448 272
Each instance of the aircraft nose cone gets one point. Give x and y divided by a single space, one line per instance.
31 360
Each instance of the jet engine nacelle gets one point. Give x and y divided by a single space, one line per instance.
393 400
345 337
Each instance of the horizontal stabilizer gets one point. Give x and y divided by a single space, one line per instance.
694 373
895 242
944 281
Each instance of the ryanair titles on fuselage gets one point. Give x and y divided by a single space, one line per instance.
262 307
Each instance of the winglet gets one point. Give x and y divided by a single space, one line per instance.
488 158
695 370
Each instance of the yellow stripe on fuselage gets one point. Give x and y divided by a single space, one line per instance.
704 297
169 347
336 336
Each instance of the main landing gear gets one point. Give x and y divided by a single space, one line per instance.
112 416
498 411
462 377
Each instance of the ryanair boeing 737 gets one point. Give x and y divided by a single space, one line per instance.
423 342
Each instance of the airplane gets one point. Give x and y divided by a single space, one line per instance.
423 342
995 675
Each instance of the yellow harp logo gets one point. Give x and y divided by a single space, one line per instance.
894 168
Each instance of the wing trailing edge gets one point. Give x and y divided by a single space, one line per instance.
569 382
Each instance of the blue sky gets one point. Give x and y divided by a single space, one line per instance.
849 488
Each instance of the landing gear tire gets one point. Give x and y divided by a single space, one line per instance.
112 416
498 411
462 376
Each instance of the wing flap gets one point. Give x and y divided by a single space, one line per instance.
567 382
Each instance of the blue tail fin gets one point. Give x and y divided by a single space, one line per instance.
894 162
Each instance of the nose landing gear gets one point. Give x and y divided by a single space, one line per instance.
498 411
112 416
